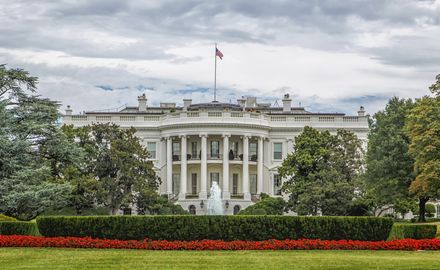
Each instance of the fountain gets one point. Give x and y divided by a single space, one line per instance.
215 205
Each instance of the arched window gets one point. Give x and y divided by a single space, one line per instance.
192 209
236 209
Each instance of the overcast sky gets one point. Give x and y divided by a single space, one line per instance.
329 55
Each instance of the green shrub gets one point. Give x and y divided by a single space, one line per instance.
18 228
266 206
217 227
414 231
6 218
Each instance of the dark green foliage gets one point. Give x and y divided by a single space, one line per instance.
18 228
389 165
33 151
429 210
266 206
116 169
70 211
150 203
322 172
414 231
217 227
6 218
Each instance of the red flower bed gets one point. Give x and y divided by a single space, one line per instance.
304 244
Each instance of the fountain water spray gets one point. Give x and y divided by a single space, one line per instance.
215 205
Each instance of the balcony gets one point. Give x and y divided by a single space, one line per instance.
214 156
191 196
237 195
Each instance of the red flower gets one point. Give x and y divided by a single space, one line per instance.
302 244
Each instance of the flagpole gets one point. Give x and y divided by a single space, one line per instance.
215 73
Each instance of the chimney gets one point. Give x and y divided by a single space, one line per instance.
68 110
241 101
186 103
287 103
361 111
142 99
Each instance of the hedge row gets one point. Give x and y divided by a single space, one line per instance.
6 218
18 228
414 231
225 228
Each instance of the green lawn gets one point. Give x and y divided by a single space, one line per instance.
51 258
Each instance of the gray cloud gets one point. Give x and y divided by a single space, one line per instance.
401 34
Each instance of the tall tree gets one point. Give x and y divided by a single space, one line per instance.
322 172
117 168
389 166
28 185
423 129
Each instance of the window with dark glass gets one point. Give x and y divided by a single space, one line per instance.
234 183
215 149
253 183
176 183
194 152
151 147
176 151
192 209
277 183
214 177
277 150
253 147
194 183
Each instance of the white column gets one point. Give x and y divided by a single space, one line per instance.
169 165
246 193
183 166
203 168
260 166
226 195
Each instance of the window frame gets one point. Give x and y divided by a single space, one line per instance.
155 149
274 156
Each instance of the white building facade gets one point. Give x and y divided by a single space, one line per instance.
240 146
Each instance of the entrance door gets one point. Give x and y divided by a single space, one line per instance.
215 176
194 183
234 183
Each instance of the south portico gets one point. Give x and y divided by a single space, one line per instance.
195 160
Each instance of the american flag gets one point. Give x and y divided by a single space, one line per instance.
218 53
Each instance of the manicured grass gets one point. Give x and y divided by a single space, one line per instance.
52 258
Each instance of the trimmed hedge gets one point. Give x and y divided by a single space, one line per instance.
225 228
18 228
6 218
414 231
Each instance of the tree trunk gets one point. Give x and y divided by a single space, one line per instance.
115 210
422 210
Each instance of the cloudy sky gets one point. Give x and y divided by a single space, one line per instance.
329 55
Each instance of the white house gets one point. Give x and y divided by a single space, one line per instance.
238 145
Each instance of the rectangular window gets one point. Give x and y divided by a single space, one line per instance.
176 151
151 147
194 152
176 183
253 146
234 183
277 184
234 148
194 183
278 151
215 176
253 183
215 149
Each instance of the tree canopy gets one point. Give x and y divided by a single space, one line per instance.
423 128
30 145
322 172
116 170
389 166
